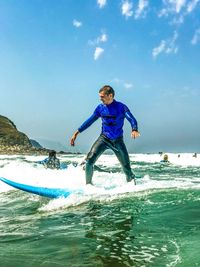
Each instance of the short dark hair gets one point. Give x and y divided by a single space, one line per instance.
52 153
107 89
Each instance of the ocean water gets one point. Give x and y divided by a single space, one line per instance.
113 224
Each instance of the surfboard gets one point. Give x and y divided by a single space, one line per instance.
41 191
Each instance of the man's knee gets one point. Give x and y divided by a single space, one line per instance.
91 158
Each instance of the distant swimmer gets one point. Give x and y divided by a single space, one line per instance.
195 155
52 162
112 114
165 159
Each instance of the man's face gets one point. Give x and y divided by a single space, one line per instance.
106 99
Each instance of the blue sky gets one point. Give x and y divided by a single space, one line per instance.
55 55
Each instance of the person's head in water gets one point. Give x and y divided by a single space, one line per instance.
165 157
52 154
106 94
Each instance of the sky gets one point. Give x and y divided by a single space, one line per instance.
55 55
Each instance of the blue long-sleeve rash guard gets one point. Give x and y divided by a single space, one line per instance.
112 116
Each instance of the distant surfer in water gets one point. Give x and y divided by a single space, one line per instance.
112 114
165 159
52 162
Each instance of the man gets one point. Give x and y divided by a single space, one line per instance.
52 162
112 114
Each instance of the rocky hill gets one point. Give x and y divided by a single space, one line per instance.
34 143
13 141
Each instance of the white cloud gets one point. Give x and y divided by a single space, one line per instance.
128 85
116 80
77 23
177 20
196 37
122 83
101 39
163 13
191 5
166 46
159 49
179 9
171 7
179 4
141 8
98 52
127 9
101 3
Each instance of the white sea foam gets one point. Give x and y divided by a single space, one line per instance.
108 186
184 159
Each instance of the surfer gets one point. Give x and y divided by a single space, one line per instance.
165 159
52 162
112 114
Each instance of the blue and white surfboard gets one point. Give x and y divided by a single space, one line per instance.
41 191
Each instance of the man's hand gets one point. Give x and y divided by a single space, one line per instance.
73 138
135 134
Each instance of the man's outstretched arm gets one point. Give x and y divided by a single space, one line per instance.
83 127
73 138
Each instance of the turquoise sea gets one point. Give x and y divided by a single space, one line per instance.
113 224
